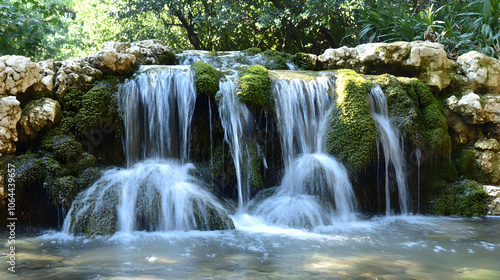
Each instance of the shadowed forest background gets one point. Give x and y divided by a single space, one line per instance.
63 29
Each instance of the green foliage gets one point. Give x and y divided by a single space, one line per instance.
459 25
351 136
464 198
206 78
24 24
255 87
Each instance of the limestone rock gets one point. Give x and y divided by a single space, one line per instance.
146 52
487 156
493 199
46 84
10 113
17 74
39 114
74 71
111 62
468 107
488 144
492 107
461 134
343 57
482 72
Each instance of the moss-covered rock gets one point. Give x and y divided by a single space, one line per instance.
255 87
417 113
65 147
63 190
305 61
94 109
252 51
29 169
463 198
351 135
206 78
276 60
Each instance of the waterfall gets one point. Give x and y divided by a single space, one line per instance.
315 189
236 121
391 147
418 155
156 191
157 107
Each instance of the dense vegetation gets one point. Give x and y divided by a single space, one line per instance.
69 28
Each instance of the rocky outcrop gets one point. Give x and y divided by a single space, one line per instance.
39 114
17 74
487 156
493 199
145 52
73 72
10 113
482 72
110 62
46 84
424 60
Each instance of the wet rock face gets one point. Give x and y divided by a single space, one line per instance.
17 74
10 113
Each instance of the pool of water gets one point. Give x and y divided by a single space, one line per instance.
396 247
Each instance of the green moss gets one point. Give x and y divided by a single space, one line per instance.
29 169
447 171
255 168
304 61
71 101
277 60
88 177
464 198
167 58
65 147
206 78
252 51
94 109
255 87
351 135
63 190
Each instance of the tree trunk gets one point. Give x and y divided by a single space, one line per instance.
192 36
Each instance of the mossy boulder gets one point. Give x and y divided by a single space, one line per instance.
463 198
305 61
95 109
255 87
206 78
351 135
417 113
252 51
63 190
276 60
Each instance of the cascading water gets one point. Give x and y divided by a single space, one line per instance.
391 147
313 181
236 121
156 191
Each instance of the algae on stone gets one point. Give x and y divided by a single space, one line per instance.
351 134
463 198
255 87
206 78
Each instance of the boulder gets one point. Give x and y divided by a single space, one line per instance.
492 107
17 74
146 52
46 84
469 107
343 57
487 156
39 114
482 72
111 62
74 72
493 199
10 113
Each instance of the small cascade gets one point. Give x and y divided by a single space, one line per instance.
156 191
418 155
391 148
157 107
236 120
315 189
228 59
